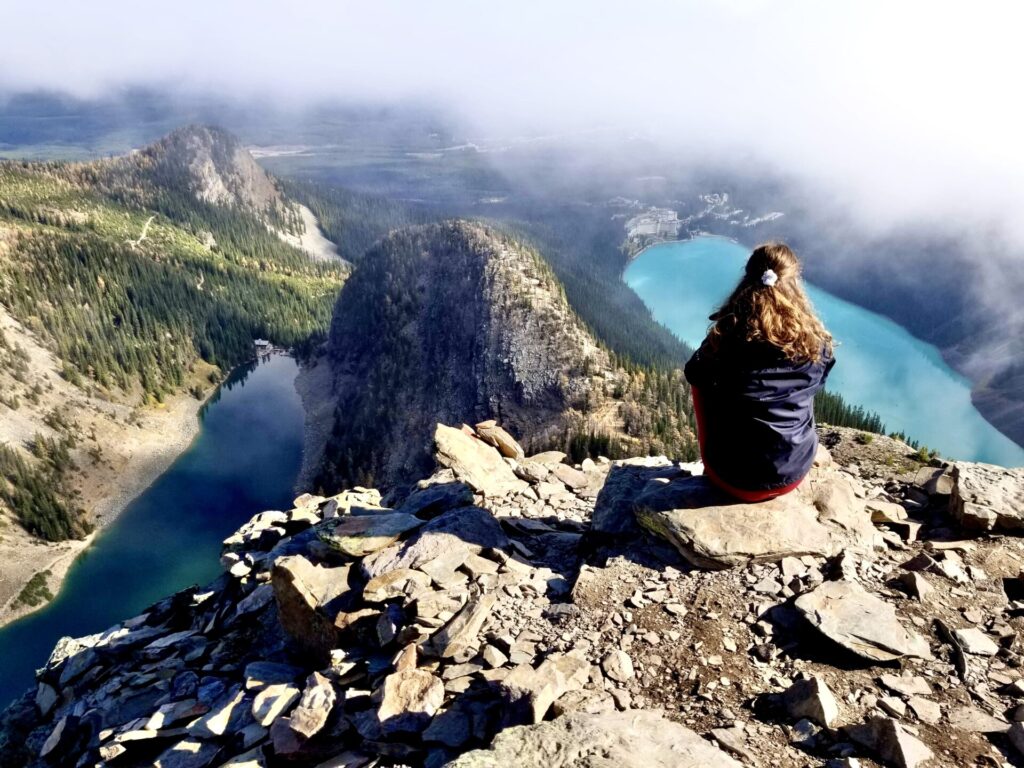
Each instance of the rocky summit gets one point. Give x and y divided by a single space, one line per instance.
514 609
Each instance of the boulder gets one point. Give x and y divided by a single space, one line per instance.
891 741
613 510
631 739
548 459
305 595
618 666
474 462
813 700
410 698
848 615
712 530
573 478
290 734
189 753
361 535
529 692
469 529
272 701
497 437
459 638
975 641
434 499
986 497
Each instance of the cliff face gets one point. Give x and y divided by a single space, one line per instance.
455 322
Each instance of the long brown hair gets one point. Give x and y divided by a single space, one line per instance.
769 305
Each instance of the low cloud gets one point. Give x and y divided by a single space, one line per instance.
906 110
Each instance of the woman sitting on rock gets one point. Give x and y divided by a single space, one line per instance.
754 379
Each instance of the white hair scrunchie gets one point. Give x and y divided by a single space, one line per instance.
769 278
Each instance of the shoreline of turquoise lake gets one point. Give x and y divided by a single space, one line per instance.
880 365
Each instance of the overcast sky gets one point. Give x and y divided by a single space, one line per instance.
906 106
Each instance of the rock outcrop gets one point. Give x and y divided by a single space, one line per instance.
494 626
821 518
986 497
456 321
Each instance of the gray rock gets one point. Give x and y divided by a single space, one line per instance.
189 753
469 529
273 701
222 717
571 477
262 673
529 692
613 509
409 700
361 535
434 499
821 518
618 666
632 739
916 584
925 710
459 638
976 721
813 700
987 497
907 685
497 437
891 741
290 734
392 584
549 459
474 462
46 697
452 727
1016 736
860 622
305 593
976 642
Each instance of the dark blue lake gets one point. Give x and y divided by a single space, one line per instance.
244 460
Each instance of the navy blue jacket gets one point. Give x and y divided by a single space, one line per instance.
757 412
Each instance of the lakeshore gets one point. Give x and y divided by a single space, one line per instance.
244 459
135 455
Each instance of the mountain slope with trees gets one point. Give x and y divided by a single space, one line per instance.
125 283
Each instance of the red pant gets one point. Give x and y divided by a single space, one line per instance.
739 493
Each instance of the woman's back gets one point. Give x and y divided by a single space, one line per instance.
756 413
754 380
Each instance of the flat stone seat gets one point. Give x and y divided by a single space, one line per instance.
713 531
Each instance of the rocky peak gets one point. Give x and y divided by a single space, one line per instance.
454 322
216 168
483 621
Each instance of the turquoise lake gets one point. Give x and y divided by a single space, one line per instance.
879 364
245 460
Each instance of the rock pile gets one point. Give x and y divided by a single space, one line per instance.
510 610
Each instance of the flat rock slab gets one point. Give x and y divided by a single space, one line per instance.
848 615
712 530
986 497
631 739
362 535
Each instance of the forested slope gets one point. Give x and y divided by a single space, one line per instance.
132 271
